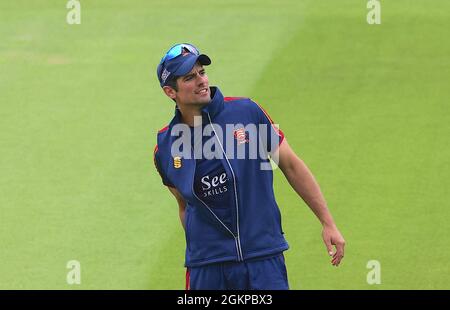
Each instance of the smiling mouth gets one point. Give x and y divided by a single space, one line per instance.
202 91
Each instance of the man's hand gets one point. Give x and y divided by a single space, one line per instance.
331 236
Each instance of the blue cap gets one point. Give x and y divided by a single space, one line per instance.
179 61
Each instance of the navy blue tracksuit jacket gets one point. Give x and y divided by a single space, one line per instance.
250 227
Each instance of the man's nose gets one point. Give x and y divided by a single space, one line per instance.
201 79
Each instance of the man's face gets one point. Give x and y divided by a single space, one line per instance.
193 88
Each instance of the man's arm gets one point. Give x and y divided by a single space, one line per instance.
304 183
181 204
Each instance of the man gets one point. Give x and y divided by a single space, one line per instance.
227 207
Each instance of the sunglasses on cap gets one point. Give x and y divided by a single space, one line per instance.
178 50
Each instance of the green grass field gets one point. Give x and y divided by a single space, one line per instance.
365 106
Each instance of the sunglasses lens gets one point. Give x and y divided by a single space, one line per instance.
191 49
174 52
177 51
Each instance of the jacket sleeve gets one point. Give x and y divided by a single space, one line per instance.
158 166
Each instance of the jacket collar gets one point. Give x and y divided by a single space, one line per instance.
213 108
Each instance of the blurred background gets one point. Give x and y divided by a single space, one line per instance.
365 106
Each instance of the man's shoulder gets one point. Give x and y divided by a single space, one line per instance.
239 103
235 99
163 130
161 137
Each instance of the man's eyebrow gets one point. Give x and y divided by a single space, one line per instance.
202 70
189 75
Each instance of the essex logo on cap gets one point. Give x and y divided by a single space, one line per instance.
177 162
164 75
240 135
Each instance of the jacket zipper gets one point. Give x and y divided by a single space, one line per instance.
236 237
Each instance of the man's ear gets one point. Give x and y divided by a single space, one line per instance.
170 92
